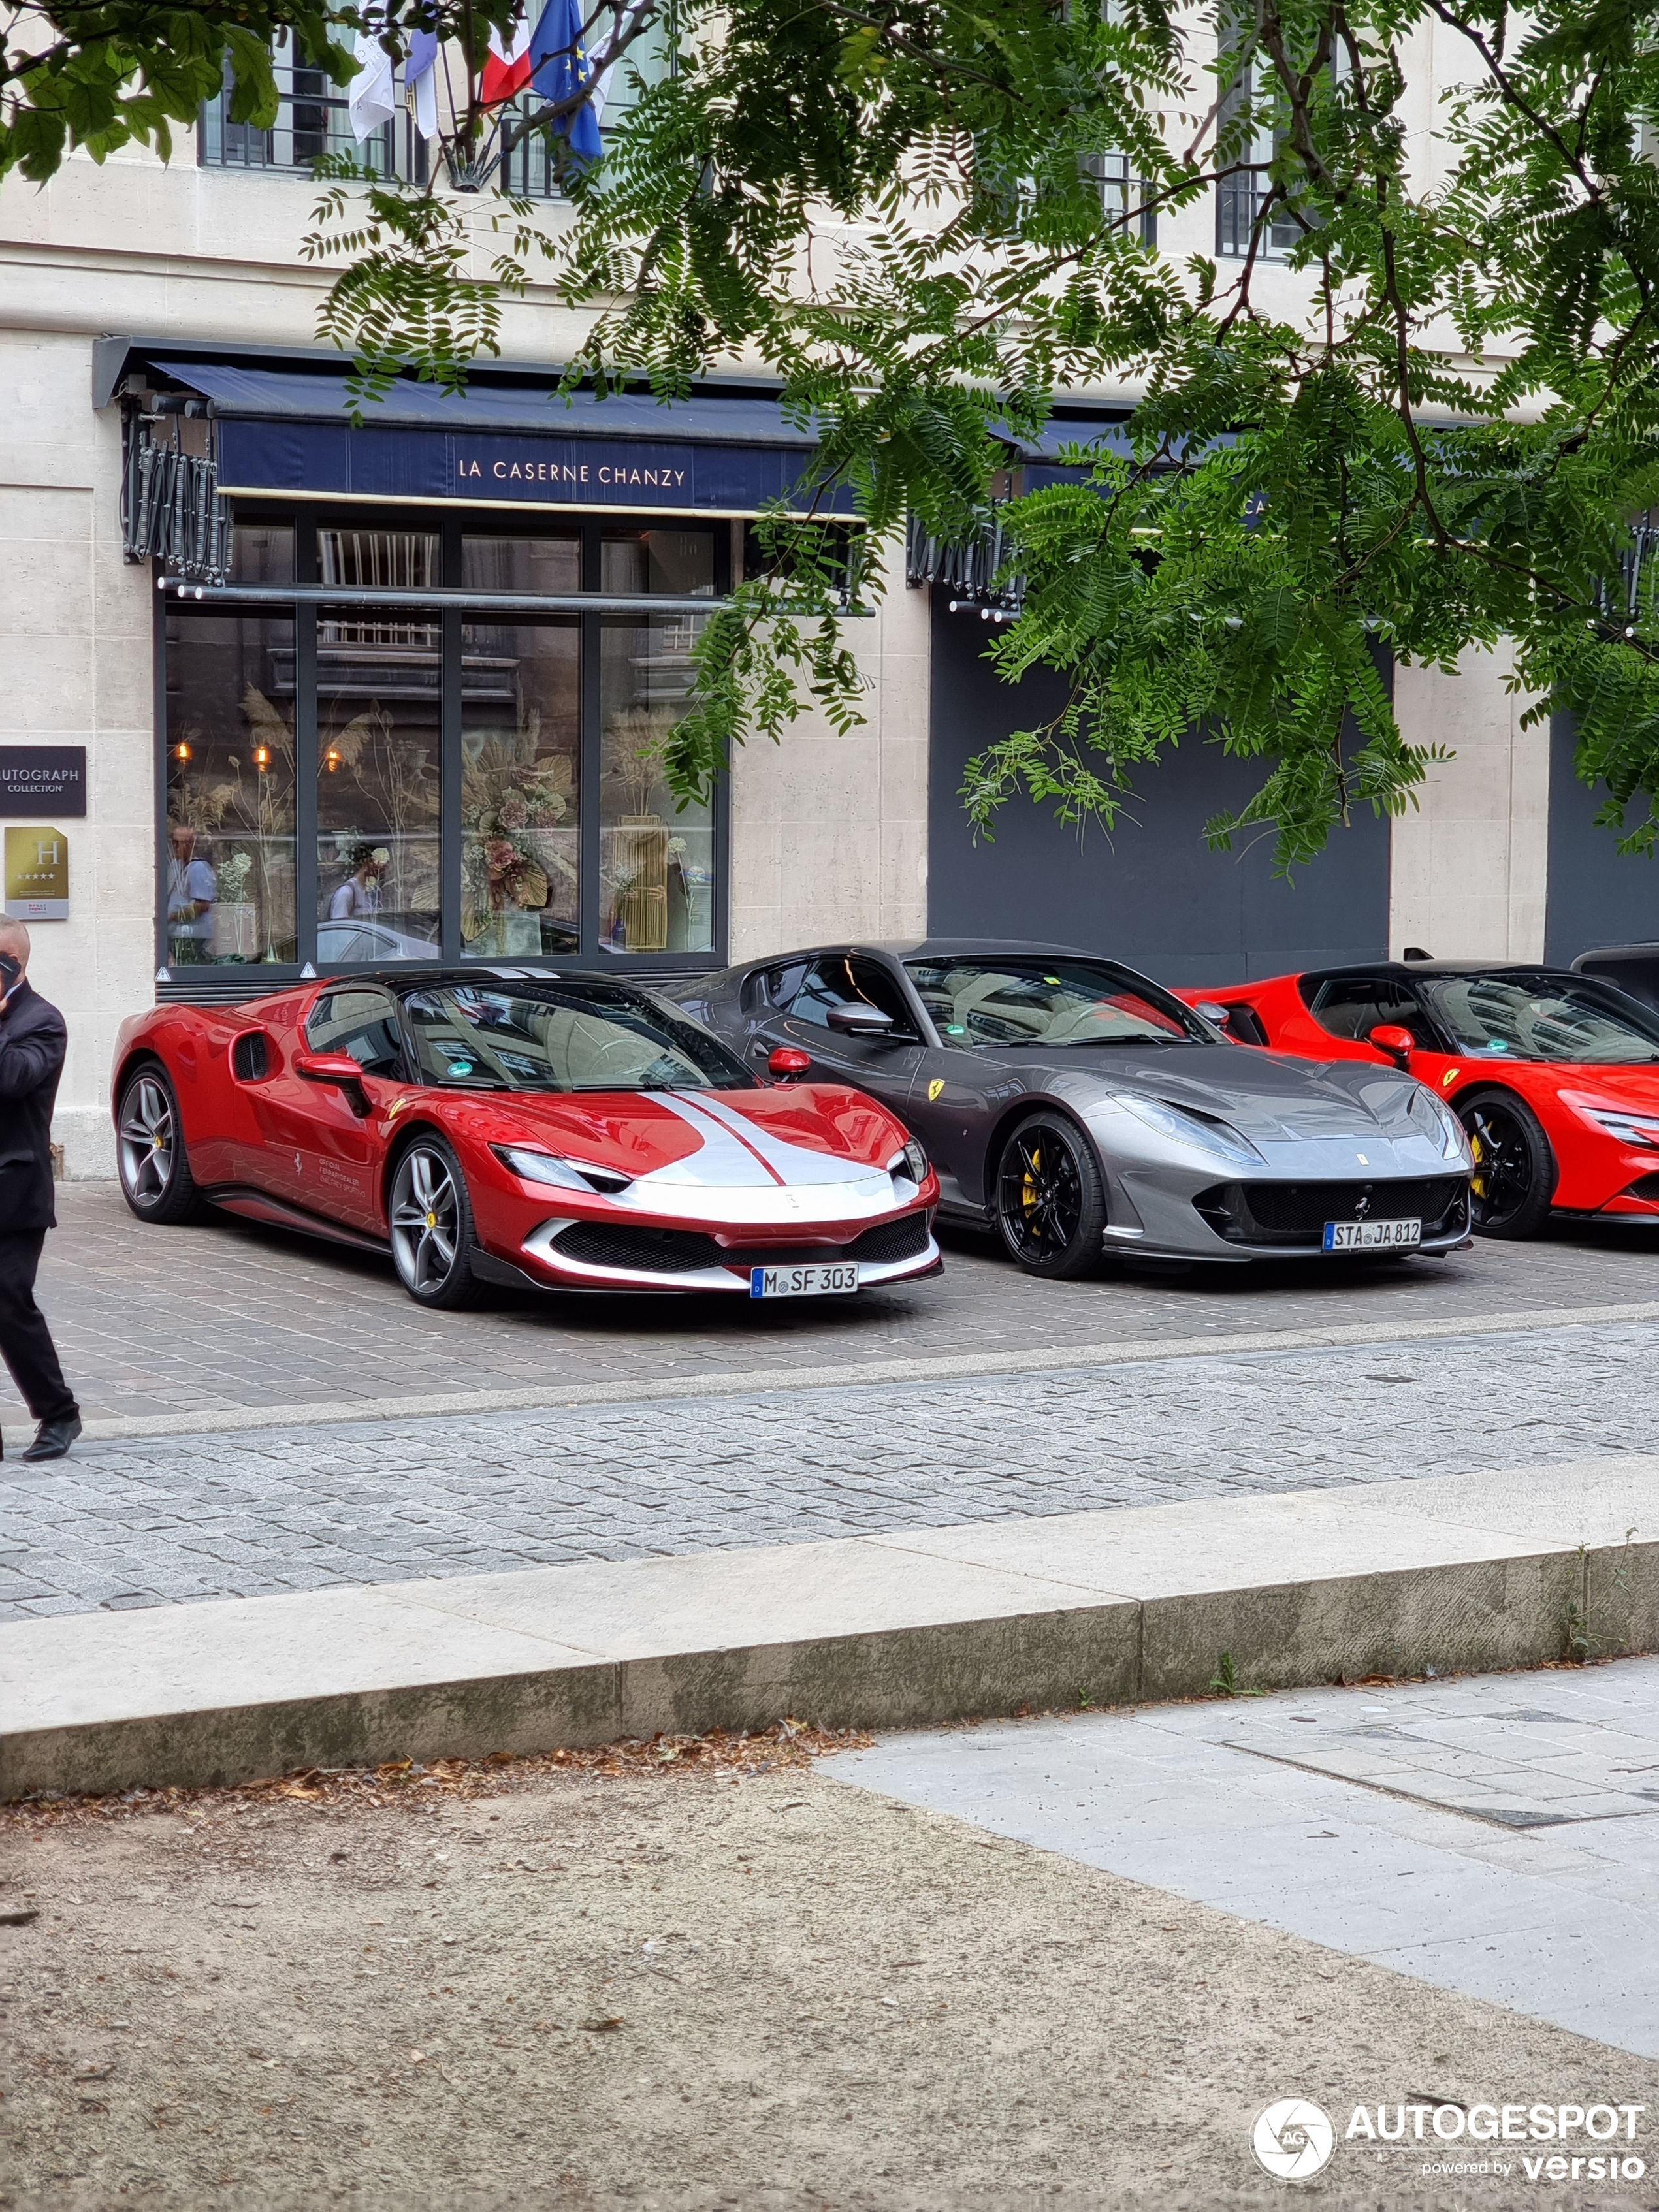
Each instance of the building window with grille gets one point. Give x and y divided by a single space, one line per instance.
1120 194
1242 198
313 120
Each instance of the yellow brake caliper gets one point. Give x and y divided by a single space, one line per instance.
1028 1197
1477 1183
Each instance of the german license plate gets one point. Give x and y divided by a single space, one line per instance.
813 1282
1372 1235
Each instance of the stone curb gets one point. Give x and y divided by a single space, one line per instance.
1459 1573
1052 1359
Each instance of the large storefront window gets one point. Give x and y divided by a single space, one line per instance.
378 872
390 768
656 860
520 790
229 883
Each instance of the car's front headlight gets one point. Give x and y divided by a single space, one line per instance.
1438 1123
1217 1138
564 1174
911 1162
1641 1129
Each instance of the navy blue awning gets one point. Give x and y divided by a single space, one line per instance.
287 431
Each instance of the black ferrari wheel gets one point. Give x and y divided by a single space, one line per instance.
1515 1169
432 1225
149 1150
1051 1207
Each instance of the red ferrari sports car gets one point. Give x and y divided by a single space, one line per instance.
1554 1075
499 1128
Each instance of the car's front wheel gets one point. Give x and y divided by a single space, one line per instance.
431 1222
1515 1169
149 1150
1051 1205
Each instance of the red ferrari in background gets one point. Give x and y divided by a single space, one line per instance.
523 1129
1554 1075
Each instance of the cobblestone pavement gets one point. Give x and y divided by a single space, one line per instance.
227 1316
297 1507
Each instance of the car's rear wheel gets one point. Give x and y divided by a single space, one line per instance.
1051 1205
431 1220
149 1150
1514 1169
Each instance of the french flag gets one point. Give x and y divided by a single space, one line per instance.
552 61
507 71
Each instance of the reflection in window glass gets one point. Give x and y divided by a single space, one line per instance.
521 778
262 553
673 563
557 1037
656 860
378 867
230 866
1052 1003
1553 1018
840 980
543 565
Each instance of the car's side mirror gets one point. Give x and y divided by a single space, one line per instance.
858 1019
1220 1015
787 1061
1396 1042
340 1069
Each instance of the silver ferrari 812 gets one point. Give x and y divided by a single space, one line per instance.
1078 1109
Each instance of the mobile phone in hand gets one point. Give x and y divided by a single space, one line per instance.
10 974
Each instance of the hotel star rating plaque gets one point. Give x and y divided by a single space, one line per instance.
37 874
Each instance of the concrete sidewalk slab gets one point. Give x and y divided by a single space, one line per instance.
1421 1326
1455 1573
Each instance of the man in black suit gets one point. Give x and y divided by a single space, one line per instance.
32 1042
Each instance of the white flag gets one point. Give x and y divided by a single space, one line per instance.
372 103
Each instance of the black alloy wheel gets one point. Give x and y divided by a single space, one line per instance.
431 1220
1515 1169
1051 1205
149 1150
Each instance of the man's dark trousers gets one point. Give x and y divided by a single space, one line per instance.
25 1340
32 1042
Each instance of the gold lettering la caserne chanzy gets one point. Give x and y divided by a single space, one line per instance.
569 472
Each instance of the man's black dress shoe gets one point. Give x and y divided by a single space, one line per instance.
53 1438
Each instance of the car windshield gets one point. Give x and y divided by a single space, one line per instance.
553 1036
1545 1017
1052 1003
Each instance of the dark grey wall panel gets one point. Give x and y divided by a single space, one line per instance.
1154 896
1596 895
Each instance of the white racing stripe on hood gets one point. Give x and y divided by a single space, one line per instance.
721 1163
740 1177
794 1165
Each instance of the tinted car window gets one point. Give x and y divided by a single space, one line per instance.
553 1037
1635 974
843 980
781 984
1051 1003
1545 1017
1354 1006
363 1021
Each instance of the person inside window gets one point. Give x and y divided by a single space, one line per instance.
360 894
192 889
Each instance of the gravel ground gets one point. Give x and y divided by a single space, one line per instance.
669 1990
300 1507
